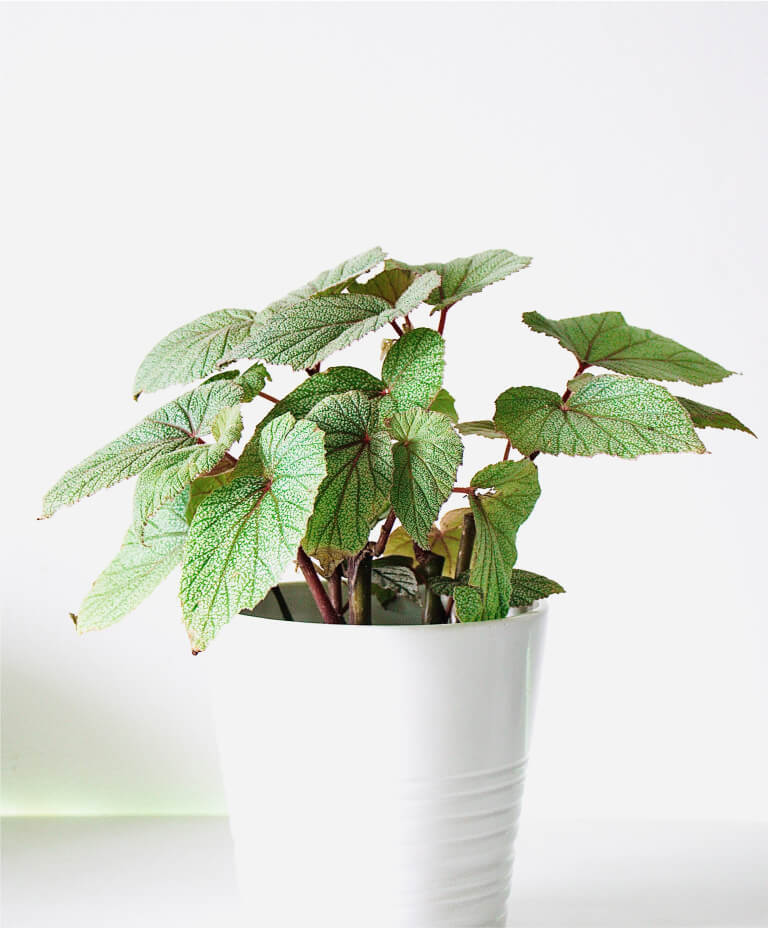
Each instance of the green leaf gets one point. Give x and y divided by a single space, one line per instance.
300 401
395 577
304 333
390 284
444 404
606 340
332 281
413 369
136 569
179 424
498 516
231 373
708 417
252 381
246 533
357 488
527 588
468 603
172 473
483 427
443 538
623 416
203 487
445 586
194 350
465 276
426 456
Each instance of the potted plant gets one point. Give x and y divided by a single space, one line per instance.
374 721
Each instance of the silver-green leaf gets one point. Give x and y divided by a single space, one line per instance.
606 340
621 416
413 369
426 455
483 427
245 534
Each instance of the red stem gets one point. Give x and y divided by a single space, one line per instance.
397 328
583 366
384 534
442 320
461 489
326 610
266 396
508 449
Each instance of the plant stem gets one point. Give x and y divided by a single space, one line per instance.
384 534
326 610
397 328
315 369
282 604
508 449
335 589
462 490
266 396
359 588
442 319
432 565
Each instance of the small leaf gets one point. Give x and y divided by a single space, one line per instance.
252 381
468 603
445 586
498 516
483 427
194 349
413 369
311 391
465 276
444 404
136 569
622 416
426 456
606 340
179 424
527 588
708 417
443 538
172 473
357 489
397 578
245 534
231 373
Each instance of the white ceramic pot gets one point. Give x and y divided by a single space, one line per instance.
374 774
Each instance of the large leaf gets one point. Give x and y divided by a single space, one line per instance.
623 416
136 569
413 369
333 280
194 349
173 472
444 403
178 424
304 333
245 534
426 455
356 490
527 588
708 417
465 276
606 340
498 515
202 487
311 391
443 540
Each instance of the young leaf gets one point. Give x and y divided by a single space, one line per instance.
136 569
360 468
527 588
171 473
498 516
413 369
465 276
397 578
252 381
245 534
304 333
311 391
606 340
178 424
194 349
443 538
390 284
622 416
426 456
708 417
483 427
444 404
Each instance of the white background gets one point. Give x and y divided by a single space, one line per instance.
160 162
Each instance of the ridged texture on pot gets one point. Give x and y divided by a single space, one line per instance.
374 774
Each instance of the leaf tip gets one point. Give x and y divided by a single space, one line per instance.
74 619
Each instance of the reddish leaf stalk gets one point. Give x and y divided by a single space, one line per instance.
326 610
384 534
266 396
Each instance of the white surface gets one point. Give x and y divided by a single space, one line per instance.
391 798
160 872
162 161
